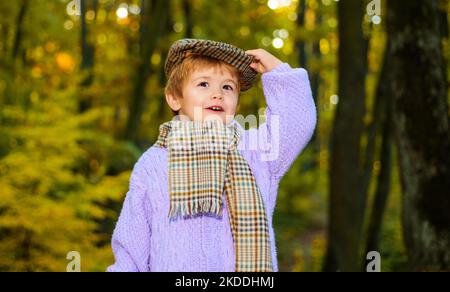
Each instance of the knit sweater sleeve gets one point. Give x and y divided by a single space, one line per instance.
290 116
131 237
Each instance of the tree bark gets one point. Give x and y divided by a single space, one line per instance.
347 203
384 102
153 24
300 44
19 32
87 57
419 85
189 22
315 87
164 52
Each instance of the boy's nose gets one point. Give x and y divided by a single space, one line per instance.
217 95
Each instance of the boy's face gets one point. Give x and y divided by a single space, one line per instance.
204 89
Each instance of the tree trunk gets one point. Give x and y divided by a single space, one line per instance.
347 203
87 58
189 23
419 85
382 192
315 86
301 48
19 32
4 31
153 24
314 75
377 116
164 52
384 101
300 44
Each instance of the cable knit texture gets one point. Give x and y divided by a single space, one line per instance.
145 240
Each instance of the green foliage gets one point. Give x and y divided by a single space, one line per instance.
57 175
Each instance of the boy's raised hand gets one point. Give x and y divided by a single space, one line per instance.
264 61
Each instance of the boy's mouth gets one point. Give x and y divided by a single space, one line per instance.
215 108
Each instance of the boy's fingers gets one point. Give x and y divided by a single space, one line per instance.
255 59
251 52
257 67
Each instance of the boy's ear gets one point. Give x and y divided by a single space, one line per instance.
173 102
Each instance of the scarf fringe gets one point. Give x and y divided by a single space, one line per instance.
200 207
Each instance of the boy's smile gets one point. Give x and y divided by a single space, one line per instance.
208 93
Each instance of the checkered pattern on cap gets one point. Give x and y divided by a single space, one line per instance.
219 50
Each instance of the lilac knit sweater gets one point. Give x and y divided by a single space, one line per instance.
144 240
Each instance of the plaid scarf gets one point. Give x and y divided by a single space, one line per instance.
204 162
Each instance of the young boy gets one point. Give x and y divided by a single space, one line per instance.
202 198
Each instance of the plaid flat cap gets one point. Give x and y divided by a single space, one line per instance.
222 51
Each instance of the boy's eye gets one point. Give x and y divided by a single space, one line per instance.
229 87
